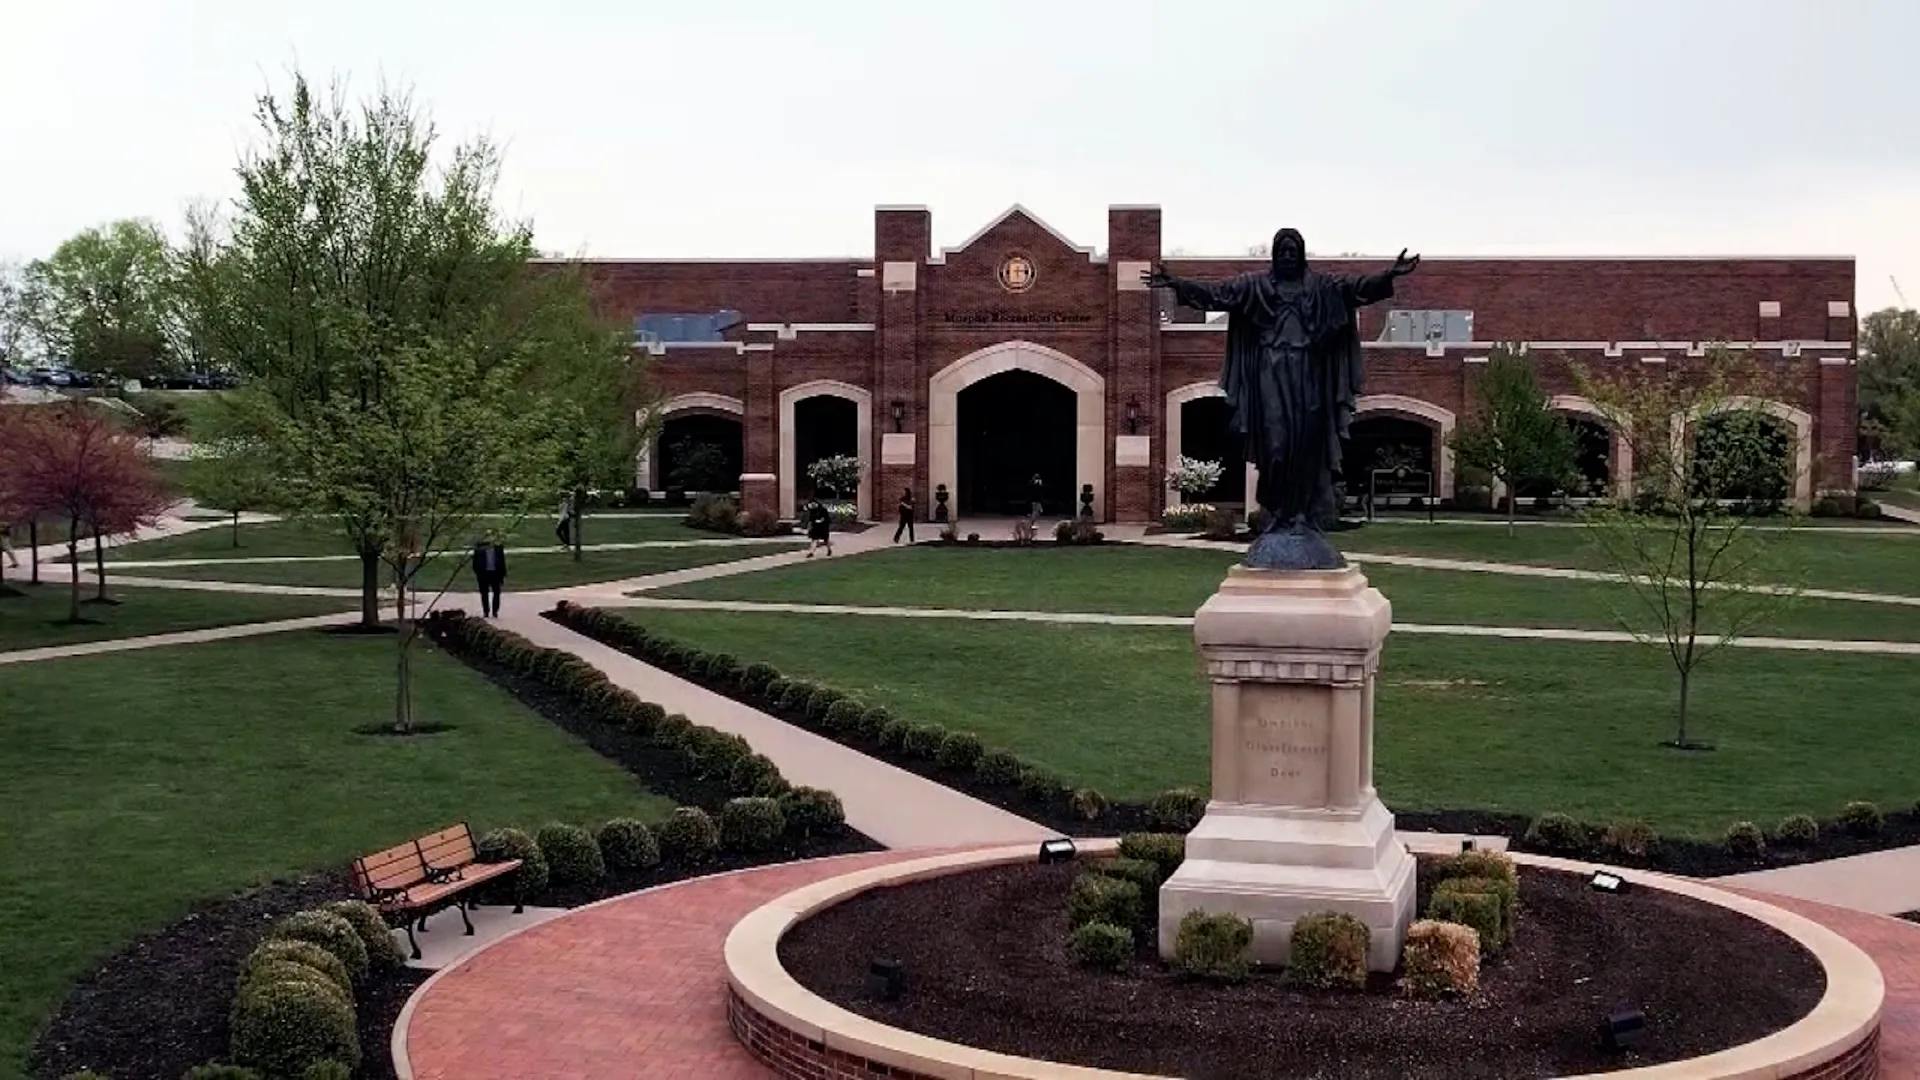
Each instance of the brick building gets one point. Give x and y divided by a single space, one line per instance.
1020 353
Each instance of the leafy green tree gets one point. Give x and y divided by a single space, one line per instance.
233 467
101 301
1514 434
1889 369
1698 574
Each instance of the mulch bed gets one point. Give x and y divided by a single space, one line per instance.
1910 916
986 964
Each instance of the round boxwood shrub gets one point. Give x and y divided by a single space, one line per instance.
755 677
1164 850
843 716
280 952
1556 834
674 731
1328 949
875 718
626 845
1441 958
755 774
1861 819
794 700
383 952
822 699
893 734
283 1028
1630 839
922 741
688 837
724 668
644 718
1102 945
1745 840
999 767
960 750
711 752
1042 785
751 824
812 811
328 1070
1088 804
1096 897
573 859
1797 831
212 1070
1178 810
330 932
284 971
506 845
774 691
1213 946
1474 902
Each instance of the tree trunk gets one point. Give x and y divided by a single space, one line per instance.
99 568
33 542
403 685
73 573
1686 681
369 588
1513 504
236 528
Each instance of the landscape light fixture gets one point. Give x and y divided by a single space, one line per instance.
885 979
1623 1029
1133 416
1056 851
899 415
1466 844
1607 882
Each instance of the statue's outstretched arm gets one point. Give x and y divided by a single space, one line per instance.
1199 295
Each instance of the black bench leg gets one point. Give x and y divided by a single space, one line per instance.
519 907
412 941
464 919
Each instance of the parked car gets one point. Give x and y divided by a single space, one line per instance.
51 376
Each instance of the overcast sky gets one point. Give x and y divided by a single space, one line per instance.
717 128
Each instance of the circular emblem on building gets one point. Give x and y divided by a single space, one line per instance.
1016 273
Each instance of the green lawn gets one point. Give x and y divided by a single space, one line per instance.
308 537
1886 562
525 570
1521 726
38 618
1140 580
141 782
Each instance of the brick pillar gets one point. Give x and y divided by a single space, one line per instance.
1135 455
759 478
1836 424
902 241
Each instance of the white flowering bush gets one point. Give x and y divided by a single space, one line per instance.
843 513
1191 476
1881 474
840 472
1186 516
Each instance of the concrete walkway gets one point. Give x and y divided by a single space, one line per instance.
183 637
891 805
1535 523
550 549
1879 882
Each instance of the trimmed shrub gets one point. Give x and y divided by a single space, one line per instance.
1328 949
755 774
506 845
1471 902
330 932
872 720
674 731
1095 897
1142 873
1178 810
382 951
1102 945
688 837
1042 785
812 811
922 741
823 699
893 734
1213 946
1164 850
751 824
1631 839
1497 865
212 1070
89 1074
960 750
1797 830
1557 834
626 845
1087 804
328 1070
1745 840
1861 819
724 668
843 716
285 971
643 718
999 767
1441 958
775 691
283 1028
573 858
279 952
712 752
794 698
755 678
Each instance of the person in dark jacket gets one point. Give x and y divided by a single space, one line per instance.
906 517
819 527
490 569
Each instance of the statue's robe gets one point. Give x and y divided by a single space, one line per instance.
1293 373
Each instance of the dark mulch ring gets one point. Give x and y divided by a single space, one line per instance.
986 964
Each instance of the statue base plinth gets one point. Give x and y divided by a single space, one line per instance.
1294 826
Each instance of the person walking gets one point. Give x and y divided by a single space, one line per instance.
490 569
819 527
564 530
906 517
6 544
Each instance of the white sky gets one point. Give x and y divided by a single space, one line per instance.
648 128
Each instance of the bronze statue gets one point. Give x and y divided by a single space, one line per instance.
1292 375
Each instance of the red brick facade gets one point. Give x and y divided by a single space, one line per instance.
888 327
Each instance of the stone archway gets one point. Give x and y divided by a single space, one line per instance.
1440 420
790 399
647 469
1090 410
1798 419
1620 449
1173 427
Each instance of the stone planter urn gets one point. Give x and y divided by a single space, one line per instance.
1086 500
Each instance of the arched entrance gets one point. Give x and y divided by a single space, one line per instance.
1013 427
1604 456
1196 427
1744 455
1085 426
1389 430
701 445
820 419
1796 425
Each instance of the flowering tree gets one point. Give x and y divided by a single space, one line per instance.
1192 477
76 464
840 472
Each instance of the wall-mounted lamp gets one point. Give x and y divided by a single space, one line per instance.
899 415
1133 416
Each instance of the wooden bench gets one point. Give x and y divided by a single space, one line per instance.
422 877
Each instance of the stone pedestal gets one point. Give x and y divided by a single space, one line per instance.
1294 825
